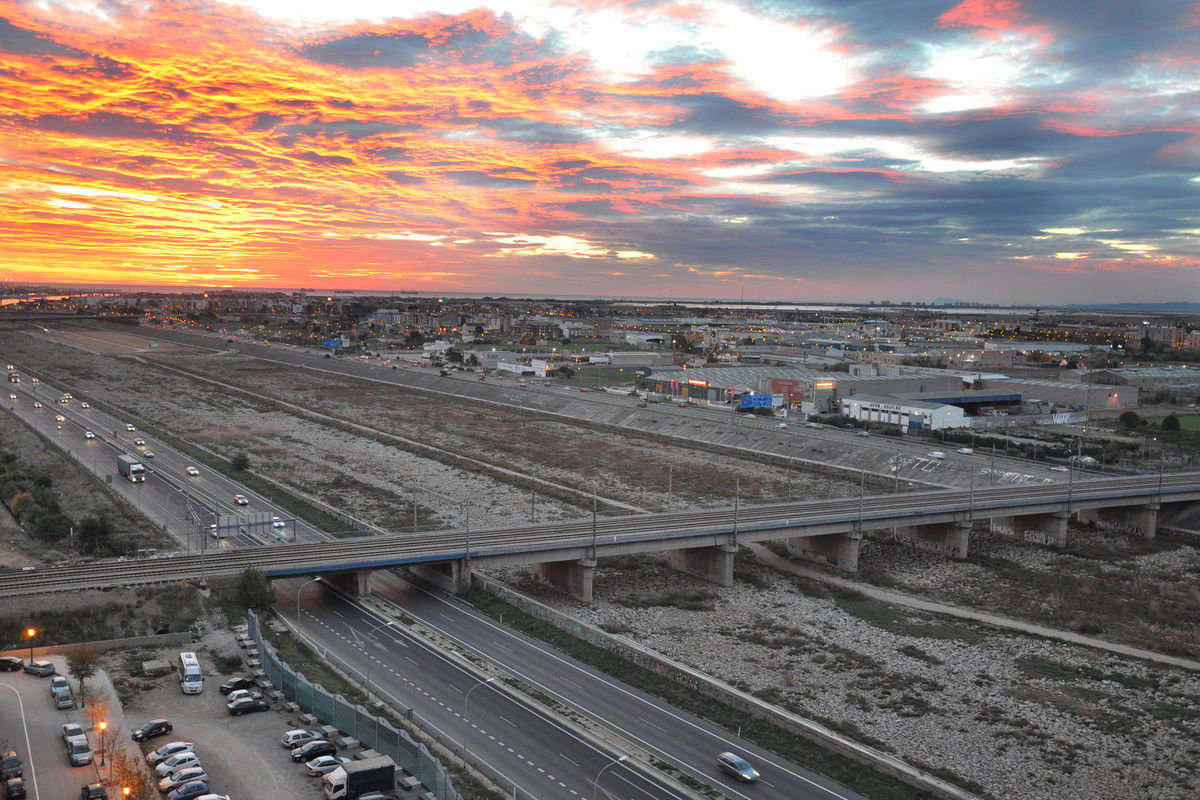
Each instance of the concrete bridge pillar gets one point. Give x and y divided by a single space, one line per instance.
569 577
1134 520
354 584
449 576
836 549
946 538
1040 528
710 563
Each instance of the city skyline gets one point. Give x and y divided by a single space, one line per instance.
993 151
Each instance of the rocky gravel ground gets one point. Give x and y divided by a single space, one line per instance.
1019 716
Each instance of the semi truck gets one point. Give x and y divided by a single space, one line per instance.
376 774
131 468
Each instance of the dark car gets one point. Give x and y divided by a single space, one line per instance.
155 727
10 766
239 707
11 664
738 767
235 683
189 790
94 791
14 789
307 752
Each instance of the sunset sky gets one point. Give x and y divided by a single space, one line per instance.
988 150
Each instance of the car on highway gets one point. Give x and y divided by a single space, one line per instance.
323 765
189 791
235 683
89 435
35 380
40 668
782 426
309 751
241 500
294 738
12 397
247 704
37 404
139 441
180 777
155 727
276 522
84 405
11 664
149 454
738 767
130 428
192 471
966 451
862 432
816 425
938 454
642 404
1059 469
167 750
60 418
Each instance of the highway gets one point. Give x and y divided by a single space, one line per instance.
531 751
634 533
182 504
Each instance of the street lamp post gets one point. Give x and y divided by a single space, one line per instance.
596 782
467 700
103 725
298 591
32 632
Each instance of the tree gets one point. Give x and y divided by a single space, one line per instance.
1171 423
256 591
94 533
1130 420
240 462
83 662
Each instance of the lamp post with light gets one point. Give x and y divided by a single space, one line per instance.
466 700
31 632
596 782
298 591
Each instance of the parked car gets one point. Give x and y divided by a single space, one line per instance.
40 668
235 683
180 777
11 664
216 796
59 684
14 789
246 704
168 750
170 764
243 694
293 739
155 727
307 752
94 791
378 796
71 730
10 766
738 767
189 791
323 765
79 752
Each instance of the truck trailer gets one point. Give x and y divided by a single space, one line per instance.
131 468
355 777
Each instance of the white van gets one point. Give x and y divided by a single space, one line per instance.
191 679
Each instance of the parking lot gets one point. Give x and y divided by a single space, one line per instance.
242 755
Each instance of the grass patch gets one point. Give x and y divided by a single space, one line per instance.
901 623
687 599
778 740
1056 670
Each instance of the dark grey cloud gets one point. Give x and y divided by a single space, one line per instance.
369 51
405 179
23 42
324 160
108 125
517 129
486 180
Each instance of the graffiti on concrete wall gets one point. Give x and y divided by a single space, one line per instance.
945 548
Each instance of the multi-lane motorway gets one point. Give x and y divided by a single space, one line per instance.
516 746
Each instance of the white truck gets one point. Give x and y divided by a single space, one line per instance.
131 468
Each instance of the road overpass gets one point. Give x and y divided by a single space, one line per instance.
702 542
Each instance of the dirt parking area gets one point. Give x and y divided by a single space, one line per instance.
242 755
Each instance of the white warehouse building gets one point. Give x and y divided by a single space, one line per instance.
908 414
